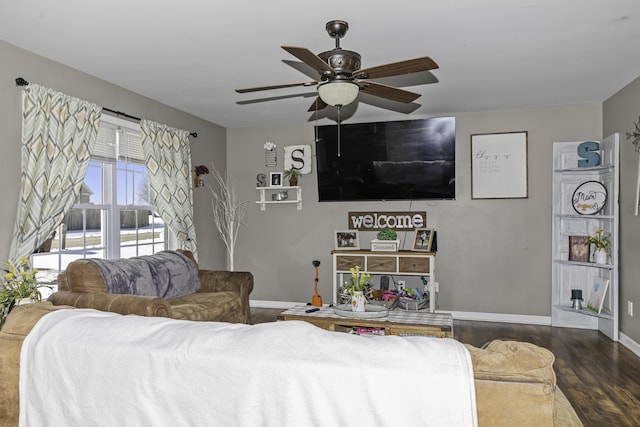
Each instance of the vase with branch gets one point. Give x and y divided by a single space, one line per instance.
228 213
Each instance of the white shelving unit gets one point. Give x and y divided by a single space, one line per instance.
568 275
266 192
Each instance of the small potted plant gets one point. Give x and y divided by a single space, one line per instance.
292 175
602 246
386 241
355 288
19 285
197 172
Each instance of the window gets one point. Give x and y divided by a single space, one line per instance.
113 216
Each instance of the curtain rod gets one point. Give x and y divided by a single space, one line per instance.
22 82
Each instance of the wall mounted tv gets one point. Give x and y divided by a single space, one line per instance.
401 160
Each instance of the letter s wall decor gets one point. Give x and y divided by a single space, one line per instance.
298 157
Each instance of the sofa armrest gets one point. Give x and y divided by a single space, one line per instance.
218 281
115 303
234 281
515 384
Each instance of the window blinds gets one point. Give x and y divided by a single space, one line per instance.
118 143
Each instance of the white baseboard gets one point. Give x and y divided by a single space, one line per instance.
502 318
273 304
630 344
457 315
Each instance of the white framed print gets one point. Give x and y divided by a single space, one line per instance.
275 179
499 166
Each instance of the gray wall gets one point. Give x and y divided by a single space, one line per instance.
620 112
493 255
210 144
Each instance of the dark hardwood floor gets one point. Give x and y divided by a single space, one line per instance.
601 378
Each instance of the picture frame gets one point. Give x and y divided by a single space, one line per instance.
346 240
499 166
596 296
579 248
275 179
423 239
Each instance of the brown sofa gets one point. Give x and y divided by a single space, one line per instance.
514 381
223 295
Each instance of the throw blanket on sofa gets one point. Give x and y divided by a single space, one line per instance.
84 367
166 274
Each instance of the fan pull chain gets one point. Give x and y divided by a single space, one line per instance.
338 108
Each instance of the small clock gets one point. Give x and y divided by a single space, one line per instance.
589 198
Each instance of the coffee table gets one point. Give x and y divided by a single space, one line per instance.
399 322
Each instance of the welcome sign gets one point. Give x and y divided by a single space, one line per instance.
373 221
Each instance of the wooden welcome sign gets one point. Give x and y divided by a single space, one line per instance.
373 221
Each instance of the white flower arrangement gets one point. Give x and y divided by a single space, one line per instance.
269 146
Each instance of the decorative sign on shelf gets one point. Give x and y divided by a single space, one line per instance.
589 198
374 221
499 165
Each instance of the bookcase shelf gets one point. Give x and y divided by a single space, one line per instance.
568 275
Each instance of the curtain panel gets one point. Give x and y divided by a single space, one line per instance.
58 134
168 160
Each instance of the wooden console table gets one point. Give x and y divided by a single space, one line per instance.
402 263
399 322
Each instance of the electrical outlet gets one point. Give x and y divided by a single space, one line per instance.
630 308
401 284
436 287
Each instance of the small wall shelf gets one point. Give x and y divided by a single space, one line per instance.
266 192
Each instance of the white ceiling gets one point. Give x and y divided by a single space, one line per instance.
192 54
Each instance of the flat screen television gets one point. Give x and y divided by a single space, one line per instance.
400 160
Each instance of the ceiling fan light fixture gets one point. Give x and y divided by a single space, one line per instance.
338 93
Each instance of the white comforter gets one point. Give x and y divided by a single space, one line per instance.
91 368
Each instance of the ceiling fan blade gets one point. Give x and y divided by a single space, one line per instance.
397 68
259 88
318 104
309 58
388 92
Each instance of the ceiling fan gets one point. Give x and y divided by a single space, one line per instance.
341 78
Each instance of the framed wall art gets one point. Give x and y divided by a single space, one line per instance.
499 166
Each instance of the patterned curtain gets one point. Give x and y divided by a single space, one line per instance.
58 133
168 160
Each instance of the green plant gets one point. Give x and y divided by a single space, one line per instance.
387 234
601 240
19 282
359 281
292 173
